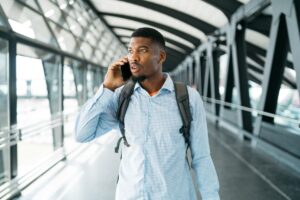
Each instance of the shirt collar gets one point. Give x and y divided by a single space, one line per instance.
168 84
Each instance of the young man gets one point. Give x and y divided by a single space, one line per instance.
154 165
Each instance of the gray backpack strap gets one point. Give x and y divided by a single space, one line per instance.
182 98
123 103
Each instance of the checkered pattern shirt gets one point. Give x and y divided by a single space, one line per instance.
154 166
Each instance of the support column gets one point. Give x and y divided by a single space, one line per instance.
277 56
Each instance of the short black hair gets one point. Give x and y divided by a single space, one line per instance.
150 33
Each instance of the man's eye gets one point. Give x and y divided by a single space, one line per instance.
130 51
143 50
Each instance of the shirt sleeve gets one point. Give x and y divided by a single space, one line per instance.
97 116
206 176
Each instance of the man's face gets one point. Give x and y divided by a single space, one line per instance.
145 57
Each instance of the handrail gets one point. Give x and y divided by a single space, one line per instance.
19 133
11 136
255 111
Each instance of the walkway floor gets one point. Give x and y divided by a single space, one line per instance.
245 172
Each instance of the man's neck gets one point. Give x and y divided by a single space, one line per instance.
152 86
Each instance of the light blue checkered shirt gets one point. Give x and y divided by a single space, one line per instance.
154 167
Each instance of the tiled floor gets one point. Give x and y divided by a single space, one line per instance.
245 173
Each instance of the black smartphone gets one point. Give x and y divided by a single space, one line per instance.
125 70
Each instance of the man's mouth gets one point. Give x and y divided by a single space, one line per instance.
134 67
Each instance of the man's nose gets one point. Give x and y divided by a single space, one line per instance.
133 57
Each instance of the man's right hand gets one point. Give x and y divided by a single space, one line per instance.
113 78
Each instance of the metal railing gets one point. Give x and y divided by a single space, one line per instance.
11 136
255 112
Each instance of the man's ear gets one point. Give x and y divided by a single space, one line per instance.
162 56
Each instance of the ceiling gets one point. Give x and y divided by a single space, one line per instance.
186 25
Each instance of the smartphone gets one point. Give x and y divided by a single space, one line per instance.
125 70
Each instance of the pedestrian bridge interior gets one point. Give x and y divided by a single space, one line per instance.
242 56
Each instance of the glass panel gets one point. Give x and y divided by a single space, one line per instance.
70 100
4 162
129 9
95 32
288 106
75 27
70 104
91 39
3 83
3 20
31 3
61 3
198 9
255 91
98 55
65 38
27 22
79 71
102 47
90 82
69 11
33 101
87 50
126 23
82 21
51 11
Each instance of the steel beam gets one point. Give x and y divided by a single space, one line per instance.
241 75
293 28
179 33
273 72
188 19
12 89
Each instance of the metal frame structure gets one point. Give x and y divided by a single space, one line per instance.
284 38
199 67
11 183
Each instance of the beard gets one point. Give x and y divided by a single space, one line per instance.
139 78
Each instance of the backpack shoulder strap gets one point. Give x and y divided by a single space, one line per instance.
182 99
123 103
124 99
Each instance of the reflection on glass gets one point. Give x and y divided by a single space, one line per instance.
31 3
222 74
70 101
288 106
75 27
3 83
90 83
255 91
52 12
27 22
87 50
31 91
79 71
65 39
70 104
3 106
32 101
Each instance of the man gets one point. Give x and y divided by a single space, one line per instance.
154 166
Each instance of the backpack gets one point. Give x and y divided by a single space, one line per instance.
182 99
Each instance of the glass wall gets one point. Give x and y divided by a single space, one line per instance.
3 108
70 104
27 22
288 107
67 25
37 103
60 46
